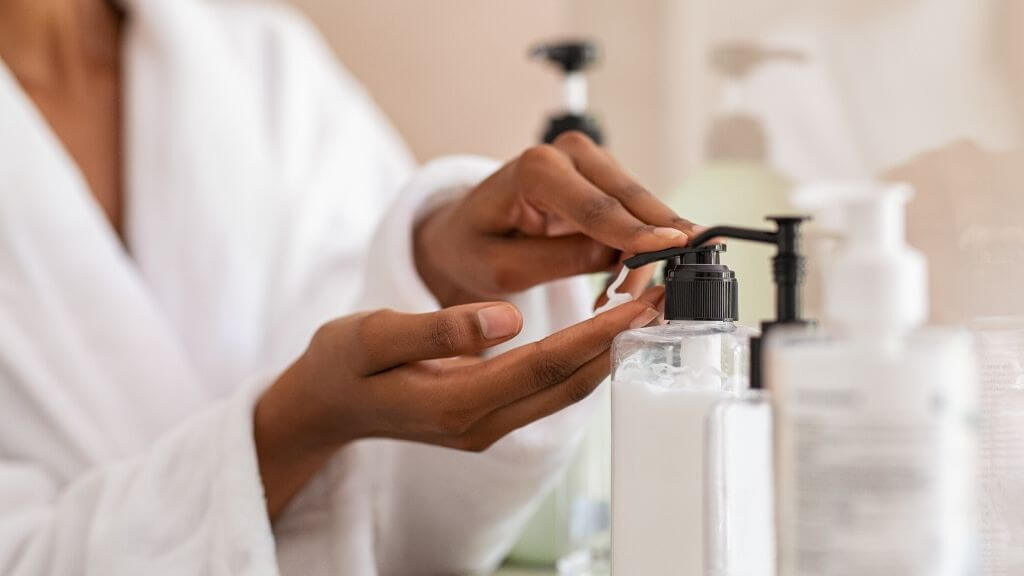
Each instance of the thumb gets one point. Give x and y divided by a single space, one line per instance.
389 339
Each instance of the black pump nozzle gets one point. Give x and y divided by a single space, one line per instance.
572 58
699 287
787 272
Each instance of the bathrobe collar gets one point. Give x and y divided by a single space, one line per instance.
196 168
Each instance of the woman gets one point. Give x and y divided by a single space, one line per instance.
190 191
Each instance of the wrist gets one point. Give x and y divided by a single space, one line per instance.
289 448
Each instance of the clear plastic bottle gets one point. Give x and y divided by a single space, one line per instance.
665 381
873 415
740 517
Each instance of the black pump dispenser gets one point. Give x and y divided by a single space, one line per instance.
787 272
699 287
572 58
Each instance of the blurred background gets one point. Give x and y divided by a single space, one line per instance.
724 107
907 75
825 90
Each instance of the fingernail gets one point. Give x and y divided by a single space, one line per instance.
670 233
498 321
644 318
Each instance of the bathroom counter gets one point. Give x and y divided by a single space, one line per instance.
525 571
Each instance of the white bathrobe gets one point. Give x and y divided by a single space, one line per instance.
264 195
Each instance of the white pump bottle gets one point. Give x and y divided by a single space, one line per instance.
873 434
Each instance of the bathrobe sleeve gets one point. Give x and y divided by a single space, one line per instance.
192 503
186 498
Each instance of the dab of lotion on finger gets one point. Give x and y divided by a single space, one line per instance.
616 298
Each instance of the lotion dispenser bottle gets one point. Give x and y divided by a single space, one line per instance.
665 380
667 383
739 507
873 413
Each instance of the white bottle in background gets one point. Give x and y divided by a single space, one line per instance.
873 415
665 382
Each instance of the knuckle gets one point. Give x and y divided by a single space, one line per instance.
635 243
579 390
328 340
367 323
539 159
682 222
445 334
550 370
327 333
573 139
633 191
597 209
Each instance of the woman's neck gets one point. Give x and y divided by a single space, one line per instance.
50 42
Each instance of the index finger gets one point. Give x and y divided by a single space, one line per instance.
602 170
550 181
385 339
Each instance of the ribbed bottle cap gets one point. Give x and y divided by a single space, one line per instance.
699 287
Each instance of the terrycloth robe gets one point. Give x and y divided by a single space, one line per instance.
264 195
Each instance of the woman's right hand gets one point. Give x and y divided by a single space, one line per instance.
413 377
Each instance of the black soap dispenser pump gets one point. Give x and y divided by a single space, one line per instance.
666 380
788 266
573 58
739 533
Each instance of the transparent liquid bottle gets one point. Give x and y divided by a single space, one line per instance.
740 515
665 381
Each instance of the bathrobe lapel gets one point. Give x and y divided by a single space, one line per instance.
125 342
73 302
202 215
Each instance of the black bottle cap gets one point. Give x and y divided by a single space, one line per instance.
787 272
699 287
584 123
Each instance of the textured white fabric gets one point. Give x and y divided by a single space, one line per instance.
265 194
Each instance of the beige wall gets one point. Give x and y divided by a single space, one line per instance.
454 77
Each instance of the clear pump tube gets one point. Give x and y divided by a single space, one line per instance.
576 93
740 513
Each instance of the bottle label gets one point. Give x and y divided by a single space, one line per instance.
1001 450
874 477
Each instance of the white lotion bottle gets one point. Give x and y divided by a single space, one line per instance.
665 381
873 414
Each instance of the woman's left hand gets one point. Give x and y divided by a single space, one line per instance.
555 211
